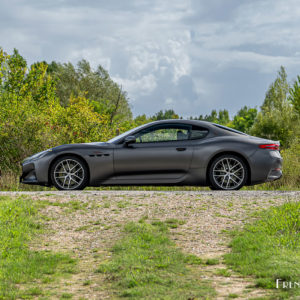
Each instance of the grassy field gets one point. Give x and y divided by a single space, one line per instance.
146 265
149 245
20 265
269 249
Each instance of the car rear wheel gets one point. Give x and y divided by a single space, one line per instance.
69 173
228 172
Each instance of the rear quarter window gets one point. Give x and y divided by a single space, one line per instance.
198 133
229 129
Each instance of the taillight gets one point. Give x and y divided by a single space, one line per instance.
270 146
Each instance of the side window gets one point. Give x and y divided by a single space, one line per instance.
198 133
163 133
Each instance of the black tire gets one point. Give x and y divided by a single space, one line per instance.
212 188
62 176
228 172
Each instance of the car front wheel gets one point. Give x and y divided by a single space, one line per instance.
69 173
228 172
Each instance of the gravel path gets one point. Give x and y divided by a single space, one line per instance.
87 223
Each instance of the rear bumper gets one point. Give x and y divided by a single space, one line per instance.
274 174
266 165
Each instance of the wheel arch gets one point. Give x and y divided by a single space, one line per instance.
67 154
248 182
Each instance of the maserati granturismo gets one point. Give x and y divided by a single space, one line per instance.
167 152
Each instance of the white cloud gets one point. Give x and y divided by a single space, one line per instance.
185 55
140 87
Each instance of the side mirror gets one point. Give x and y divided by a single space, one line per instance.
129 140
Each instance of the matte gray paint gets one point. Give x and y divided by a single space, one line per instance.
178 162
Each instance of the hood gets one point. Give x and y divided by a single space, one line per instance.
81 146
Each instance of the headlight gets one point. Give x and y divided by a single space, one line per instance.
37 155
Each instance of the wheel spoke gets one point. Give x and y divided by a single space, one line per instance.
235 176
228 164
76 176
234 166
77 170
224 168
74 167
233 180
235 171
74 180
223 181
64 181
64 167
227 183
68 165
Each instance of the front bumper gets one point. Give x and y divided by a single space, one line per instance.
28 174
36 171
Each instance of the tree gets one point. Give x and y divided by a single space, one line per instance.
165 115
105 94
244 119
277 117
221 117
295 95
142 119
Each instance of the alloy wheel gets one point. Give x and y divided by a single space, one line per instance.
228 173
69 174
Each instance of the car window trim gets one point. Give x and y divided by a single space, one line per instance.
167 124
174 124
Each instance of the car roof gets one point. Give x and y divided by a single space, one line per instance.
192 122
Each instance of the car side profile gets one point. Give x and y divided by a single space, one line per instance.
167 152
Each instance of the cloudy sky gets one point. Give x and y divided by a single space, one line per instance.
189 55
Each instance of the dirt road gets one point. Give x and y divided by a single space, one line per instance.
87 223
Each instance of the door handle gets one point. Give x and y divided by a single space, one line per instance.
180 149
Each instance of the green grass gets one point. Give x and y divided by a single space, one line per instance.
18 264
212 261
145 264
223 272
269 248
69 206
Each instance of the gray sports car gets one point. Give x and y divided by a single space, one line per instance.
168 152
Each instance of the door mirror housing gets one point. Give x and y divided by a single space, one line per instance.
129 140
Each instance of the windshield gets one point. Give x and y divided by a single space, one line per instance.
124 134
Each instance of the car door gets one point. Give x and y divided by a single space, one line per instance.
160 151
